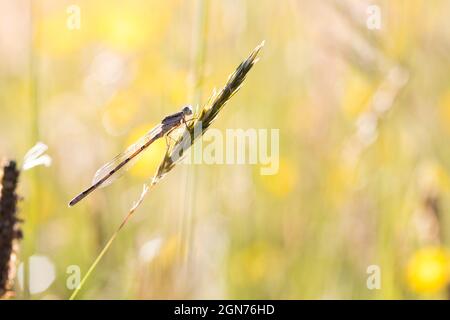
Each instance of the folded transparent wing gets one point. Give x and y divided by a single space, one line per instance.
114 169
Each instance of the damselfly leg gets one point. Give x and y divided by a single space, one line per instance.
168 136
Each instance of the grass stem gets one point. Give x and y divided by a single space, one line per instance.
207 115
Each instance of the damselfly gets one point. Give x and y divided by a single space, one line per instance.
111 171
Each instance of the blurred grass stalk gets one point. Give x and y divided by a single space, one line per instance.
34 135
186 223
186 139
10 232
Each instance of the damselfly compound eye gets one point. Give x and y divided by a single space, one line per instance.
187 110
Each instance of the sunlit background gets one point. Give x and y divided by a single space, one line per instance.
364 118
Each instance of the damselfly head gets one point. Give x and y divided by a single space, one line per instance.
187 110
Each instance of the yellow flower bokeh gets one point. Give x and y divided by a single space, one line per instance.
52 36
428 271
125 27
130 27
357 93
150 158
258 262
282 183
119 112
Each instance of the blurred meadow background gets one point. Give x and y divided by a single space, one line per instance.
364 117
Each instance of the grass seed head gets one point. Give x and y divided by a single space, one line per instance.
207 115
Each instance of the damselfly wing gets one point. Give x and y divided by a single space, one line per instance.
125 160
114 169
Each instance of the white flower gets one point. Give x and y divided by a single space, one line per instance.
36 157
